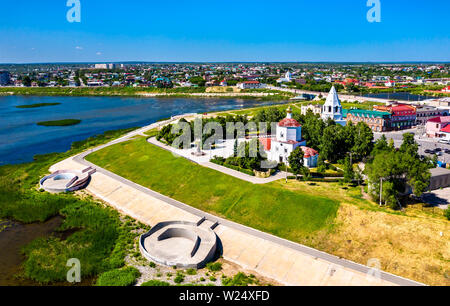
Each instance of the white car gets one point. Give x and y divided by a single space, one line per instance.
443 141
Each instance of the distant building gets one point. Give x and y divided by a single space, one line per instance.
377 121
250 85
105 66
101 66
403 116
332 109
434 126
315 108
389 84
440 178
287 78
425 112
300 81
5 78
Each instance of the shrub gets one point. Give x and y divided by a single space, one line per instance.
191 272
179 278
120 277
152 264
155 283
447 213
214 266
239 279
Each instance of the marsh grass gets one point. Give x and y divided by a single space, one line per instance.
63 122
100 241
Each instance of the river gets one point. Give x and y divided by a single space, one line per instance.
402 96
21 138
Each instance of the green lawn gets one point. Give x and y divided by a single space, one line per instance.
288 214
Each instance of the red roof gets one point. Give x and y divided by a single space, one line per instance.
439 119
402 108
251 82
286 122
309 152
446 129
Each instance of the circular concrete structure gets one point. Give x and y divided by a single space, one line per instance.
66 180
178 243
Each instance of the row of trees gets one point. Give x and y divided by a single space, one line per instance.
335 142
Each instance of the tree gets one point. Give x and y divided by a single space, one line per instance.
235 148
396 168
380 145
358 175
332 145
409 145
26 81
296 161
348 171
197 80
362 140
321 166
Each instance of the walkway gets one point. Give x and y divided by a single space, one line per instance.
287 262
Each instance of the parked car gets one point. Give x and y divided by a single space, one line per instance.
428 151
447 151
443 141
438 149
439 154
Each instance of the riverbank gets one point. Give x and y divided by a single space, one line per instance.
199 92
44 257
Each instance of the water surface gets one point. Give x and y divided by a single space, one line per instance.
21 138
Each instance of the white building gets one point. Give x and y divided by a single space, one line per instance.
287 78
250 85
288 138
333 108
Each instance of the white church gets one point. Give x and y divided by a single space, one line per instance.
287 78
333 108
288 138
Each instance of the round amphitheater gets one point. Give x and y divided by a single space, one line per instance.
66 180
178 243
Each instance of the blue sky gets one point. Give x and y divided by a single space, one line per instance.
246 30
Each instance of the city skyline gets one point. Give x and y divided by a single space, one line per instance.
253 31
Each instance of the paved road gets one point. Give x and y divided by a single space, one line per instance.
289 244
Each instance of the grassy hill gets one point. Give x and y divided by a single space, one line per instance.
285 213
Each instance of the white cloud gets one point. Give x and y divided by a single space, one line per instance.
98 53
79 48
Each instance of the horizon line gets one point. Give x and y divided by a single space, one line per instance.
231 62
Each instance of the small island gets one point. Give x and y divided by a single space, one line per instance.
64 122
37 105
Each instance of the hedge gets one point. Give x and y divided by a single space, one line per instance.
246 171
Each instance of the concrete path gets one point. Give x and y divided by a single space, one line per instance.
284 261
